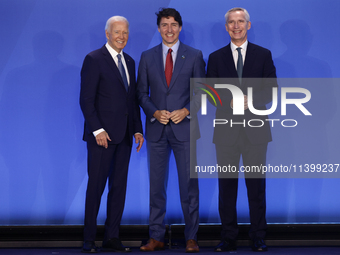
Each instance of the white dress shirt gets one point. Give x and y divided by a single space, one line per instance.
115 58
235 52
165 50
114 54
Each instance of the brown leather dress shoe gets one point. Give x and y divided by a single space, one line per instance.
152 245
192 246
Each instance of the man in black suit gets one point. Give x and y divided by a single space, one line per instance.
240 60
112 118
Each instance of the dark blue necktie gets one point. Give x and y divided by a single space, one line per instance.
239 64
122 71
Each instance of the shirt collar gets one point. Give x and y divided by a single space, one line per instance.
112 51
243 46
174 48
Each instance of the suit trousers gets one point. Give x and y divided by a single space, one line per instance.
104 165
159 154
252 155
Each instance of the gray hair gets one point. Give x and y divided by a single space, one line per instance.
226 16
113 19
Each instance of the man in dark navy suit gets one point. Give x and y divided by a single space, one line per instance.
241 60
163 89
112 118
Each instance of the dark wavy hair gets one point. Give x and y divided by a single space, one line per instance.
169 12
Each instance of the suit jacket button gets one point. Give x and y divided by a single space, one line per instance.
167 93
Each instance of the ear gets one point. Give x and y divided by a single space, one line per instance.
226 27
249 25
180 29
159 30
107 34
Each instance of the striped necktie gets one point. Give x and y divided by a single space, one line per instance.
122 71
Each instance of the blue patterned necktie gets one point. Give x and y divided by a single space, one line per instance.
122 71
239 64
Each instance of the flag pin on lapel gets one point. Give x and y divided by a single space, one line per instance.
183 56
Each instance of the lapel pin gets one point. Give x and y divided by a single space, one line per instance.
183 56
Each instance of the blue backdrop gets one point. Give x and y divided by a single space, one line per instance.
42 155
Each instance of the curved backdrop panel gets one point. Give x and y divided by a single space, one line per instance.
43 157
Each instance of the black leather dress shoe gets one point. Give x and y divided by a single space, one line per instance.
226 245
114 245
89 247
259 245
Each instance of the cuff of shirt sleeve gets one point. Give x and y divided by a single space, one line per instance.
97 132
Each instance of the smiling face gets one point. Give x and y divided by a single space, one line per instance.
169 30
237 27
118 35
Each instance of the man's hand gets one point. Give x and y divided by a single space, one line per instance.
245 104
178 115
140 140
102 139
162 116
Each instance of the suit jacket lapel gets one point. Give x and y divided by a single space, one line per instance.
229 66
229 62
112 64
158 57
179 62
249 61
130 68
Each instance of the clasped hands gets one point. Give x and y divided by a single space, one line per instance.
164 116
245 104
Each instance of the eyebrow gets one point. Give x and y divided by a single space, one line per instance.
236 20
174 23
